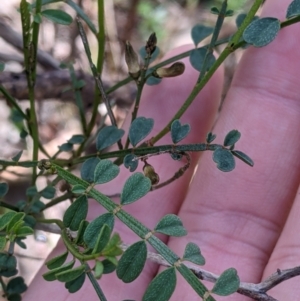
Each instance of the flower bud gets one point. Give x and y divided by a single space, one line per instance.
174 70
150 173
132 61
151 44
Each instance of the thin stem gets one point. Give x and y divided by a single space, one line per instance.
9 206
95 284
101 35
58 200
58 222
214 38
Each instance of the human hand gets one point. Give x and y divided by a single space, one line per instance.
247 219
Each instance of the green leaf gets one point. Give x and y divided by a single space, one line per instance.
200 32
6 218
293 9
76 139
66 147
36 206
162 286
57 261
215 11
102 239
224 159
261 32
232 137
229 13
193 254
243 157
132 262
240 18
98 269
108 266
210 137
105 171
130 163
113 247
136 186
3 189
171 225
76 284
88 169
16 286
139 129
70 275
76 213
82 227
3 241
17 157
108 136
78 189
197 57
24 231
20 243
48 192
178 131
51 275
91 233
8 263
227 284
16 218
57 16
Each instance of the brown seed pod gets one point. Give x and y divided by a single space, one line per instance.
132 61
150 173
172 71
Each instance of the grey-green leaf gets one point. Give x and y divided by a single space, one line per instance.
88 169
293 9
76 139
76 213
108 136
210 137
200 32
16 286
130 163
132 262
66 147
76 284
78 189
178 131
139 129
105 171
57 16
162 286
171 225
227 284
243 157
232 137
197 58
3 189
48 192
70 275
91 232
224 159
193 254
136 186
57 261
262 31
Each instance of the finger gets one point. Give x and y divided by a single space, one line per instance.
286 255
158 102
236 218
